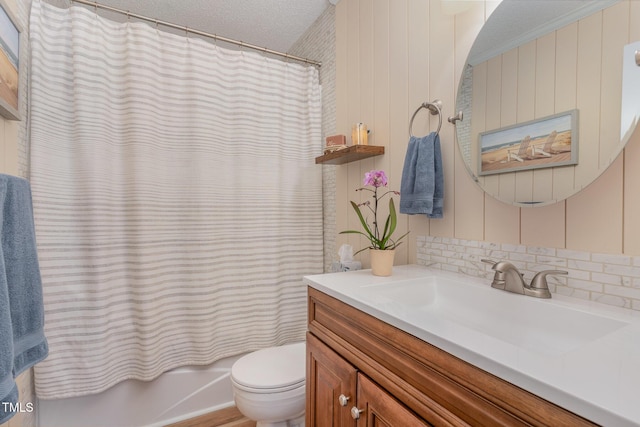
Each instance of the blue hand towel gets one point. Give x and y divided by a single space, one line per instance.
422 186
22 340
8 387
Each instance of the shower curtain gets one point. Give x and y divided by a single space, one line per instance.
176 199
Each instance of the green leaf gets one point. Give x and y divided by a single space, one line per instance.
397 241
354 232
383 241
386 229
362 220
385 237
392 216
363 249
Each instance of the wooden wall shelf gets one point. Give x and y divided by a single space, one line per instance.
350 154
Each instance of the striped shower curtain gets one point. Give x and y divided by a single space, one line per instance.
176 199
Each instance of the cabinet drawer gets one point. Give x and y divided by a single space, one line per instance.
437 386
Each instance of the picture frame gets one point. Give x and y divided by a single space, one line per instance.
550 141
10 34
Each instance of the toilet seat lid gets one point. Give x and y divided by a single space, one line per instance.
272 368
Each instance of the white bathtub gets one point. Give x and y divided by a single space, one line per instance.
174 396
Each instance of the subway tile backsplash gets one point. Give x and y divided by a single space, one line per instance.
605 278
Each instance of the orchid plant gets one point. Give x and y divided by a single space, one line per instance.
382 241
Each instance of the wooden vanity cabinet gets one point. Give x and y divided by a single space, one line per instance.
396 379
331 387
380 409
335 390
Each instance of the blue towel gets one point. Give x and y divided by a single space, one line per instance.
22 340
422 186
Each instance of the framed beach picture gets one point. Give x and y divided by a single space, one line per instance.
541 143
9 61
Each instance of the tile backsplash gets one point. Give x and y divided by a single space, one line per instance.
604 278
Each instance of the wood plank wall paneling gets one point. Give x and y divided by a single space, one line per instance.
381 90
420 30
525 111
631 196
467 222
631 170
9 146
3 156
418 54
594 215
615 34
399 104
544 226
565 100
443 83
355 58
381 134
343 192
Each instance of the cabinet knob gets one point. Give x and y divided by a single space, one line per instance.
343 400
355 412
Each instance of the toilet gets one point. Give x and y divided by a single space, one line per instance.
269 385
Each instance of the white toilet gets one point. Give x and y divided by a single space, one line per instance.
269 385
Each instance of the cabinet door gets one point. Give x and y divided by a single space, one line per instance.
379 409
331 387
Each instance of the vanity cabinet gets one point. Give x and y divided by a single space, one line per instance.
375 407
340 396
396 379
331 387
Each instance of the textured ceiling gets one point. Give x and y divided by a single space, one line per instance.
274 24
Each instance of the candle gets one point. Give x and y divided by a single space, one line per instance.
359 134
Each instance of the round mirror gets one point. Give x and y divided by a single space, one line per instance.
549 97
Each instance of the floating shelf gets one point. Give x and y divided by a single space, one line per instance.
350 154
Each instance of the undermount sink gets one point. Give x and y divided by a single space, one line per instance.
541 326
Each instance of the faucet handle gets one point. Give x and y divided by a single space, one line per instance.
498 278
539 281
501 266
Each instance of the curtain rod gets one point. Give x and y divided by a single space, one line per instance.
200 33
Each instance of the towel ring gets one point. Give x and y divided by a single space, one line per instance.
435 108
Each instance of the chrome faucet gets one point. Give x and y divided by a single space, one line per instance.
508 278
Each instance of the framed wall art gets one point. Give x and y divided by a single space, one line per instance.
9 64
541 143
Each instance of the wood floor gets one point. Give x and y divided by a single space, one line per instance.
228 417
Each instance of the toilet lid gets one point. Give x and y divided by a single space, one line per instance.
272 368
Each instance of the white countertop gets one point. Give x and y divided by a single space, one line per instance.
599 380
